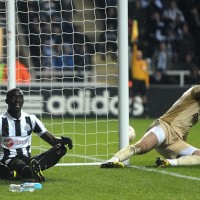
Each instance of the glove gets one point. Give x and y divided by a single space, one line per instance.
67 141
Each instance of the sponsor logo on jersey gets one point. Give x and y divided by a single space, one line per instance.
10 142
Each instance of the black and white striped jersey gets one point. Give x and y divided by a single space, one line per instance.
15 135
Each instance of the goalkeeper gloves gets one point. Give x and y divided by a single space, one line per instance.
67 141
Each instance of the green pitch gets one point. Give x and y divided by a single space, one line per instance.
142 180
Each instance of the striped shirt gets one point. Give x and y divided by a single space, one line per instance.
15 134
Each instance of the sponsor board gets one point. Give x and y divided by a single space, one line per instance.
93 102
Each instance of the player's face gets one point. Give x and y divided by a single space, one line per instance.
15 100
139 55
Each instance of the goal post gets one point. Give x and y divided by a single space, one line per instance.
79 72
123 74
11 44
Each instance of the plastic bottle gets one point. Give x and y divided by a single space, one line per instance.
29 187
15 188
25 187
34 185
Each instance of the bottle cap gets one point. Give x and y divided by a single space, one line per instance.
38 185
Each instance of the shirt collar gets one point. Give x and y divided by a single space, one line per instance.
12 118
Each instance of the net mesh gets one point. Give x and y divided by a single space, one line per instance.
66 64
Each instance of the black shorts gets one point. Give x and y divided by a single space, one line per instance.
139 88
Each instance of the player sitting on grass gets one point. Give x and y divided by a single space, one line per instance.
168 135
16 128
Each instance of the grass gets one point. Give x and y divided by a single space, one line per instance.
142 180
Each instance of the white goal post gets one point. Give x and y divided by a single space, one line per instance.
76 52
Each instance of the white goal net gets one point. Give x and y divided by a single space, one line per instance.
70 50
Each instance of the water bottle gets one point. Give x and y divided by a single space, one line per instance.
15 188
29 187
32 185
25 187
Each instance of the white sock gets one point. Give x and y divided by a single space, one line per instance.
113 159
173 162
189 160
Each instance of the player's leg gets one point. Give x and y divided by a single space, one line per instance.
36 171
154 137
188 156
46 160
6 173
191 159
143 91
24 168
51 157
21 167
135 92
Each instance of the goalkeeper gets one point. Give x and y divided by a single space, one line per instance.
168 135
16 128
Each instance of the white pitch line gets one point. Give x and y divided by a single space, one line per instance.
165 172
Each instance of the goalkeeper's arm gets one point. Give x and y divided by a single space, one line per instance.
49 138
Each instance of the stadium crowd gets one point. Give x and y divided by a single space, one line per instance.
168 34
55 42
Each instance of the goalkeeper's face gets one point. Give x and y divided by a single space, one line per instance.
15 99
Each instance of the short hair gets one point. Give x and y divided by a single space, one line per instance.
9 92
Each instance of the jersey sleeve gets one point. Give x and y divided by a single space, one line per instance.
38 126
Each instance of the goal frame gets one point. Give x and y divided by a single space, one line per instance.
123 97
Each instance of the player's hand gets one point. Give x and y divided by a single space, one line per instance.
67 141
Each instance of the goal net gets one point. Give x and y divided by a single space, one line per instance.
70 50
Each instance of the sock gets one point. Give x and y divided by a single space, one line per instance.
172 162
113 159
127 152
189 160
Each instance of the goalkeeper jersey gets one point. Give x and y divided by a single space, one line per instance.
184 113
15 135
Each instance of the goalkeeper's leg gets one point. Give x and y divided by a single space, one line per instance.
51 157
189 156
151 139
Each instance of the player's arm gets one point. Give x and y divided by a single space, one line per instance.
49 138
39 128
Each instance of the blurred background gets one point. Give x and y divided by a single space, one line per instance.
75 43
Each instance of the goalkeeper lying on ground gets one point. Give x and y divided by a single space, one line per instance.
16 128
168 135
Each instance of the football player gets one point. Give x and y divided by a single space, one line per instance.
168 135
16 128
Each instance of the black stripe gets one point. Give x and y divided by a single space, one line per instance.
19 151
28 121
5 129
6 154
37 128
28 149
17 127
